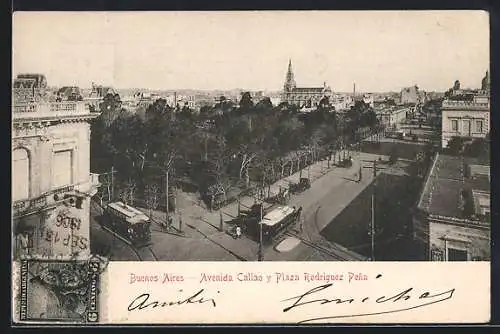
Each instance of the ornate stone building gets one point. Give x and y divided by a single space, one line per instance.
467 118
308 97
29 87
51 179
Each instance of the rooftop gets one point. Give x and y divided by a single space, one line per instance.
311 89
49 110
457 187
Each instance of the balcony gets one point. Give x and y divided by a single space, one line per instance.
48 198
49 110
33 204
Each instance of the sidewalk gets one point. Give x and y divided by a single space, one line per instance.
203 240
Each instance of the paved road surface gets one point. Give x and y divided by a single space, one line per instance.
203 240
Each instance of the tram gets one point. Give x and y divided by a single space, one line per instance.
274 223
128 222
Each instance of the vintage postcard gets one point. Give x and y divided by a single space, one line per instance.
251 167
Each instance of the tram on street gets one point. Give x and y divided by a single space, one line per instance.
274 223
128 222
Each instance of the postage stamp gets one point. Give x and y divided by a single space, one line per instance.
59 291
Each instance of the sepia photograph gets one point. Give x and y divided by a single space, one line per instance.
300 136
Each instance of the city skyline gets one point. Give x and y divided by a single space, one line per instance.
170 50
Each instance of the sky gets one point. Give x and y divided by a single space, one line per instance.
379 51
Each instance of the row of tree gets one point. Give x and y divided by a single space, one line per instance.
245 144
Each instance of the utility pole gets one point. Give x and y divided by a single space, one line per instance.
372 232
166 204
260 255
112 192
373 206
180 221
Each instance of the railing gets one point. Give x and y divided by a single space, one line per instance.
29 205
483 222
57 109
465 104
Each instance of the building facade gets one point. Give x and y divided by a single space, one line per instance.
97 95
341 102
51 179
466 119
302 97
452 220
392 116
412 95
29 88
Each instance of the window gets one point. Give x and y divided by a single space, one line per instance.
21 174
454 125
62 169
467 127
457 254
479 126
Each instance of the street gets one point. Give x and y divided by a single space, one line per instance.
331 191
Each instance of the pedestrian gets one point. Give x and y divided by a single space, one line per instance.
238 232
301 225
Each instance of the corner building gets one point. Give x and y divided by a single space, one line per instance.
51 179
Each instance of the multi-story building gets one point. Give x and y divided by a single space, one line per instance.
69 93
97 95
468 117
452 219
308 97
182 100
392 116
51 179
29 87
341 102
412 95
368 99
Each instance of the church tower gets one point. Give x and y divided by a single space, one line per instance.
290 80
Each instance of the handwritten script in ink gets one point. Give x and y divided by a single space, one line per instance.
145 301
402 300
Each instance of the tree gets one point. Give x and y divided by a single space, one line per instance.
369 119
455 145
205 110
152 197
246 103
110 107
324 104
264 104
478 148
246 156
127 193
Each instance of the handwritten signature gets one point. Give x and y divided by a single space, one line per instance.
402 298
143 301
